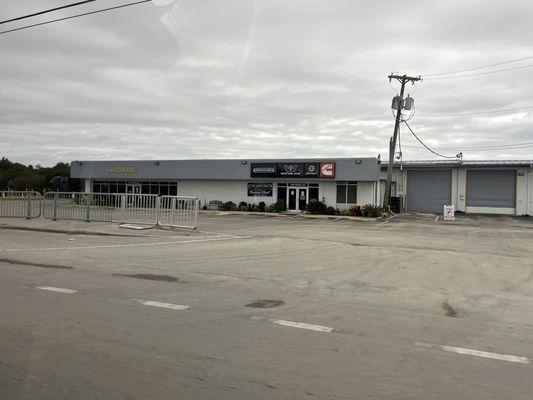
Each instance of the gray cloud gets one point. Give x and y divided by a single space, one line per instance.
243 78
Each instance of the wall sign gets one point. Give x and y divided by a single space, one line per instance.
260 189
324 170
327 170
263 170
121 170
290 169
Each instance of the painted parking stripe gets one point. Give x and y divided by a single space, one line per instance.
477 353
113 246
170 306
57 289
294 324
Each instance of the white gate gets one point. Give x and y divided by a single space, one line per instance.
146 209
178 211
20 204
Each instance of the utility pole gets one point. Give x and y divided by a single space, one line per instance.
398 103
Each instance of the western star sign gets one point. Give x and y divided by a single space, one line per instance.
323 170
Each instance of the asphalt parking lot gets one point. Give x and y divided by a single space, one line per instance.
405 308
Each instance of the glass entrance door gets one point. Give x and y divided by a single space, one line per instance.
133 188
297 198
292 199
302 199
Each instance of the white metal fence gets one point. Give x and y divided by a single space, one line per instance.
148 209
20 204
178 211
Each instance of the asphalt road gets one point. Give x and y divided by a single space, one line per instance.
364 314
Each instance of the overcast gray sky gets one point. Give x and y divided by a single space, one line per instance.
261 79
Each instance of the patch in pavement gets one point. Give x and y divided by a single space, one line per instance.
450 311
150 277
30 264
266 304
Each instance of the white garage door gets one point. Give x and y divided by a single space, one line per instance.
491 191
428 190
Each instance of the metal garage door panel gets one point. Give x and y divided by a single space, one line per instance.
428 190
491 188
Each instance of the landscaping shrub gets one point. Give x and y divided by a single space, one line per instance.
228 206
355 210
244 206
276 207
316 207
261 206
370 210
333 211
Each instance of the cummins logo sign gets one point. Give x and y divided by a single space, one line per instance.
327 170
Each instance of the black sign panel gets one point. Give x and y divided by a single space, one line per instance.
286 170
290 169
261 189
312 169
263 170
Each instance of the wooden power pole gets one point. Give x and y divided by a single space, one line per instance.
403 79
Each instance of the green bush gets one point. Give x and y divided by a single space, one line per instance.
316 207
276 207
355 210
333 211
261 207
228 206
344 212
244 206
370 210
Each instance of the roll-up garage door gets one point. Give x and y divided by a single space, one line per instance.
428 190
491 188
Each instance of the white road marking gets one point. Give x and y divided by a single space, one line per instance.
113 246
477 353
57 289
293 324
171 306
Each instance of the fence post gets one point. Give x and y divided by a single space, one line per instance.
88 208
196 207
54 216
157 210
28 206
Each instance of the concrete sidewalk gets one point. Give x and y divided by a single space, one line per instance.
214 213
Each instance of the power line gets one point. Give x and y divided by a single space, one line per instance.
502 110
487 148
480 67
423 144
479 73
75 16
46 11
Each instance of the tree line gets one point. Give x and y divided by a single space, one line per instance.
17 176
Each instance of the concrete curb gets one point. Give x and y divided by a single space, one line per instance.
66 231
287 215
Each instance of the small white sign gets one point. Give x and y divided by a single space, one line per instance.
449 213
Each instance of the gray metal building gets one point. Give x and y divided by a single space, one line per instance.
338 182
490 187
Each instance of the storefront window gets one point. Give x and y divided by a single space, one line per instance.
313 193
346 192
282 195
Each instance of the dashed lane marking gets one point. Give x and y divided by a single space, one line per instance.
476 353
114 246
170 306
294 324
57 289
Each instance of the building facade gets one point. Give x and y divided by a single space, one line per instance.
487 187
337 182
